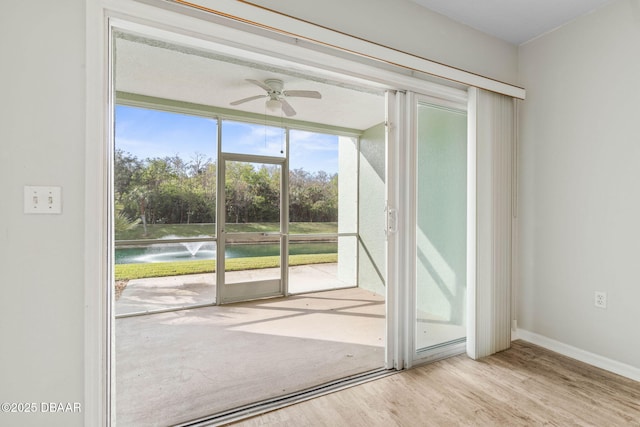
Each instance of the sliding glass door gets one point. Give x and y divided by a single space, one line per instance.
292 206
440 239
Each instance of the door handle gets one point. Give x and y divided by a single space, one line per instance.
391 220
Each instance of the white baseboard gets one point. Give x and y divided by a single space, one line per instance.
598 361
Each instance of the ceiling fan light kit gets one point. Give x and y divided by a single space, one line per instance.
276 95
273 104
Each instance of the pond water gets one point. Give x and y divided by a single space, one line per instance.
169 252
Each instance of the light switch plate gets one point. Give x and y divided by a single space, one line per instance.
42 200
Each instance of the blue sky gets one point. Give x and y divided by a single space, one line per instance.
151 133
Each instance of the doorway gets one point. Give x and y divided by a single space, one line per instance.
258 191
266 222
237 169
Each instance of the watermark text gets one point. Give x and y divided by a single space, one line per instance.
41 407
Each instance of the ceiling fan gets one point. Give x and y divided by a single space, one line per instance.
277 94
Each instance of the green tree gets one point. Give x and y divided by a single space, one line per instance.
172 190
126 167
238 192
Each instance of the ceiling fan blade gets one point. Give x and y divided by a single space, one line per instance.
287 108
261 84
251 98
303 93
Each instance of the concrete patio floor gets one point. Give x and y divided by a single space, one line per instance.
176 366
159 293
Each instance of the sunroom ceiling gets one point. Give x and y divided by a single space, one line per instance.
158 69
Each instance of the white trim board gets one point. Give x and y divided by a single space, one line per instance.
593 359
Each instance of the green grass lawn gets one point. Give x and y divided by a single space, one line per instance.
141 271
158 231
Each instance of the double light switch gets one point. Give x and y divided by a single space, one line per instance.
42 200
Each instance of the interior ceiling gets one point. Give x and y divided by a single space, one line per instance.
515 21
163 70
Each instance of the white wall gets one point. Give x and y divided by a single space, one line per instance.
41 257
347 209
580 183
371 221
404 25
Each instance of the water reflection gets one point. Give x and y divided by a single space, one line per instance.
168 252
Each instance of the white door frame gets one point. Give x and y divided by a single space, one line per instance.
260 289
396 230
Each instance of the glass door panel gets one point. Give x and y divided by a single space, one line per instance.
441 218
253 238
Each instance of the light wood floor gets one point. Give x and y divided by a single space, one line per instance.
523 386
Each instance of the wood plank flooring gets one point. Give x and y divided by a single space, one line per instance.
523 386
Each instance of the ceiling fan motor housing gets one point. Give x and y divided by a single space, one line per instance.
276 86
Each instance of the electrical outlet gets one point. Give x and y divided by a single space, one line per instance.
600 300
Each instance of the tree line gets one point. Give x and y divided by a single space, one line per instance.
170 190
